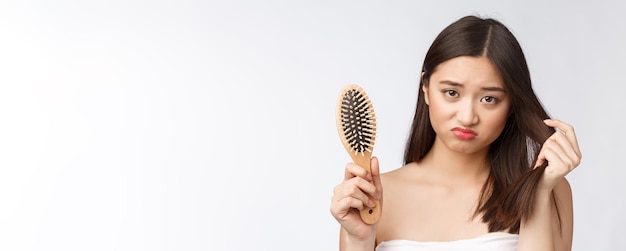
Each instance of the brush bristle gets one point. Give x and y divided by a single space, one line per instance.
358 122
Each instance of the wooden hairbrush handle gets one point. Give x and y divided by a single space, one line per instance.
369 215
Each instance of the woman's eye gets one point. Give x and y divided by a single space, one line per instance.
489 99
451 93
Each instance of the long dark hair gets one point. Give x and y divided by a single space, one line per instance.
509 191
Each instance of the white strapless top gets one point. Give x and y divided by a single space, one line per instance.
496 241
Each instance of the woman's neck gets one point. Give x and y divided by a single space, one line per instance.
457 166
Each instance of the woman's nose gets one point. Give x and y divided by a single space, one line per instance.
466 113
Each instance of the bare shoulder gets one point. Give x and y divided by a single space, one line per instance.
397 174
563 193
396 211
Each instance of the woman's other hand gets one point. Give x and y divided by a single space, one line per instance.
560 151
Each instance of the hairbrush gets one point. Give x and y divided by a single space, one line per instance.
356 124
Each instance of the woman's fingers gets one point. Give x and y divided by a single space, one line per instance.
565 150
357 189
348 195
353 170
560 151
568 131
376 178
347 203
557 159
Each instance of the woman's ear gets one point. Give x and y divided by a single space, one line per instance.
425 90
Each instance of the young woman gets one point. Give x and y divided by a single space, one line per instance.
484 166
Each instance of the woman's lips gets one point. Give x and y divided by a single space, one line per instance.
464 134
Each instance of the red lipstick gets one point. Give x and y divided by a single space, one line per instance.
463 133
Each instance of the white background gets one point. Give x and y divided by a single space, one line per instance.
195 125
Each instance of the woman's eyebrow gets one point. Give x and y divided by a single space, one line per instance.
451 83
484 88
493 88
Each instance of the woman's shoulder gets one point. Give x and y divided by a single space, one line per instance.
409 176
399 173
563 197
562 193
563 188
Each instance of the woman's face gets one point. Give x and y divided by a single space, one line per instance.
468 103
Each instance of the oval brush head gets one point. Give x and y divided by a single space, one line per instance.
356 124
